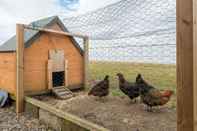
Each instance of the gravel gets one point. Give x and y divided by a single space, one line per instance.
10 122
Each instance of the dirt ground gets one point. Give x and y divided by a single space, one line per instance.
117 113
9 121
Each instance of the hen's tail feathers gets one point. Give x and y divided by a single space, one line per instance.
140 80
167 93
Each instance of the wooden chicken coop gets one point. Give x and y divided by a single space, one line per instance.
46 56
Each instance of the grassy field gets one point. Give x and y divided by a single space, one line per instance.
159 75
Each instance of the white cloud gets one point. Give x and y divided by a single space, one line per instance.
25 11
90 5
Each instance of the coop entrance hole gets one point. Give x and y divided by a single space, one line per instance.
58 78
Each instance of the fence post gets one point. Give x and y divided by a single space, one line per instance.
186 65
86 61
19 68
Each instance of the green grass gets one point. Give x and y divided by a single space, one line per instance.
159 75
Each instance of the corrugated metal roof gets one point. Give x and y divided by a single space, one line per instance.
30 35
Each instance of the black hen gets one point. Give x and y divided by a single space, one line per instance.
129 89
101 89
142 84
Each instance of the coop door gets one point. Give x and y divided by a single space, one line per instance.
57 69
58 78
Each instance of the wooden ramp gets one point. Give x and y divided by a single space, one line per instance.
62 92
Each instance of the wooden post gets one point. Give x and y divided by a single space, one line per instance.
19 68
186 65
49 74
86 61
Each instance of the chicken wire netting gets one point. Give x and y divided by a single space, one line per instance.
131 36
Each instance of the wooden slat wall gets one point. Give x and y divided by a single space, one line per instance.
186 65
8 72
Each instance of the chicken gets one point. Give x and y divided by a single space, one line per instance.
128 88
101 88
151 96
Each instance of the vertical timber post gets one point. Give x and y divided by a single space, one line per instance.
19 68
66 72
186 65
86 61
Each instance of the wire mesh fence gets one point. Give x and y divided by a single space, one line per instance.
131 36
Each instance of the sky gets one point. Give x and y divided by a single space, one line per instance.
25 11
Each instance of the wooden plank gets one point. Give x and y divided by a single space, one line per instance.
186 66
67 116
69 126
56 55
54 31
66 73
58 60
35 93
86 61
49 74
32 110
19 68
76 86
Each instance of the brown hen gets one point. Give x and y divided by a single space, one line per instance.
101 88
151 96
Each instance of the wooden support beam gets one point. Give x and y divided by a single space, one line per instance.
49 74
86 61
54 31
186 65
19 68
67 116
66 73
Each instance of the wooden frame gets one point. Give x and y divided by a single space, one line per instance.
66 72
20 60
50 71
56 63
